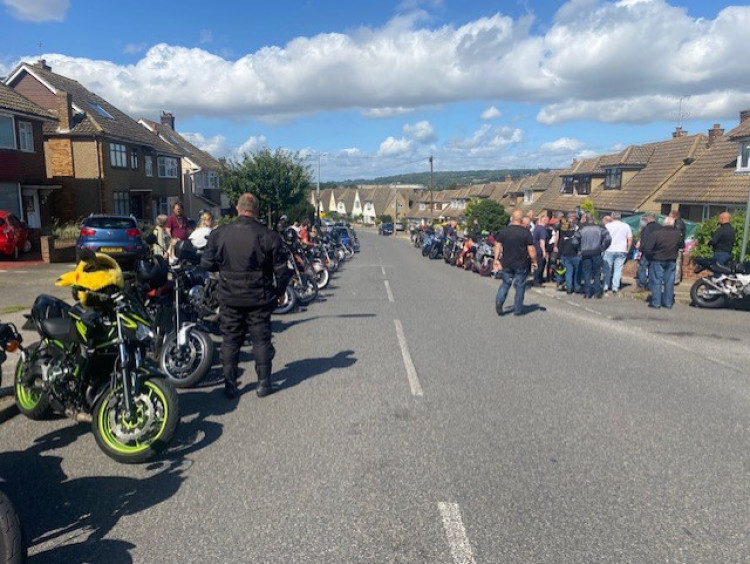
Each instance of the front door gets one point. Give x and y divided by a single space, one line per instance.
136 205
31 208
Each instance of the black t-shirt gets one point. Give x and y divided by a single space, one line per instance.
515 240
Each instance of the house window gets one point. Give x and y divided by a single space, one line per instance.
118 155
613 179
528 196
134 159
584 186
122 203
7 133
163 206
149 162
167 167
743 160
213 180
25 136
101 111
567 185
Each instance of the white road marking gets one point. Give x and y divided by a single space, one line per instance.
382 268
388 289
456 533
411 372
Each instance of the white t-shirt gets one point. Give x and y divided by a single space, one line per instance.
620 232
199 237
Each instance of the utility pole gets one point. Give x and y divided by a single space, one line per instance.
432 187
317 196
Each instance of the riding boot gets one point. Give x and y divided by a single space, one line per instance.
264 381
230 382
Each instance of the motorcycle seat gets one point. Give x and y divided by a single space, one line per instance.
59 328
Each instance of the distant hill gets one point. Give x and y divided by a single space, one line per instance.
444 180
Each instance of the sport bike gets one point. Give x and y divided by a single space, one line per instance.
724 284
90 364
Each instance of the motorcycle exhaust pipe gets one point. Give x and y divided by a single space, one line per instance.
714 286
182 334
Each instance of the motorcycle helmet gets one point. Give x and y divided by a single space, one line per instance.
282 224
96 272
152 271
290 235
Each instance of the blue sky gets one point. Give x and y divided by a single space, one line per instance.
375 89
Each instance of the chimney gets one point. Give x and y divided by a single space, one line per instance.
167 119
42 64
744 115
679 132
65 110
714 133
508 178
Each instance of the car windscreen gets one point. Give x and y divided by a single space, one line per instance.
109 223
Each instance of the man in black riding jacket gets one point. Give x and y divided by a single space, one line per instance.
253 274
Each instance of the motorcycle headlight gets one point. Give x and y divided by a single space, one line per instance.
196 295
143 333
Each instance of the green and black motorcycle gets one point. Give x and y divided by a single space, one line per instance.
91 364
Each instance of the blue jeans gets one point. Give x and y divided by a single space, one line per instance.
721 257
592 274
662 283
516 277
572 266
642 279
614 261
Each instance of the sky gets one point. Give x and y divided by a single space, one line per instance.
369 89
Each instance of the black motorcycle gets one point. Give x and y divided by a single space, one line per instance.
12 540
91 365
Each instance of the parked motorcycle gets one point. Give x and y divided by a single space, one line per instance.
724 284
12 539
90 364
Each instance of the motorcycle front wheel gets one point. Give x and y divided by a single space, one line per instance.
703 295
306 291
12 542
287 302
185 366
153 424
322 277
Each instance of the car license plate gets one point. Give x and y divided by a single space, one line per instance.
111 250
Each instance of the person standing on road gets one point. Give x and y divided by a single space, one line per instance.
253 274
568 245
647 231
663 246
617 253
516 245
595 239
540 236
177 224
723 240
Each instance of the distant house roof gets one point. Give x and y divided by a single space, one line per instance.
712 178
94 115
19 104
186 149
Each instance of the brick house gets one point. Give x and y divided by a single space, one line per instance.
200 171
24 188
104 160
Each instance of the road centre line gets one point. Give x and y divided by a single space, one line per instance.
388 289
382 268
411 372
456 533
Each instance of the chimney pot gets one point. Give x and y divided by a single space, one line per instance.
714 133
679 132
167 119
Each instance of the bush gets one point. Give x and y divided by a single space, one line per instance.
66 230
704 231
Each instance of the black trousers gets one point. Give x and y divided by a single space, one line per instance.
236 323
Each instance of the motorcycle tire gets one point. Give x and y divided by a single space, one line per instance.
700 298
32 402
12 540
434 252
349 252
289 301
322 278
185 368
425 251
158 413
307 291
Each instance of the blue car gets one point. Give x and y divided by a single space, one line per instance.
115 235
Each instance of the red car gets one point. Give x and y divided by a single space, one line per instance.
14 235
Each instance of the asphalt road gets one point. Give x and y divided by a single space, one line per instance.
415 425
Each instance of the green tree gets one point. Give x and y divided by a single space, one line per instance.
704 231
299 211
278 178
588 206
489 214
386 218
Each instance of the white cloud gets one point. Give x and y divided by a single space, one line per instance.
386 112
563 145
394 147
38 10
134 48
421 132
491 113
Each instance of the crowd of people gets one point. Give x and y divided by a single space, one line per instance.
582 256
